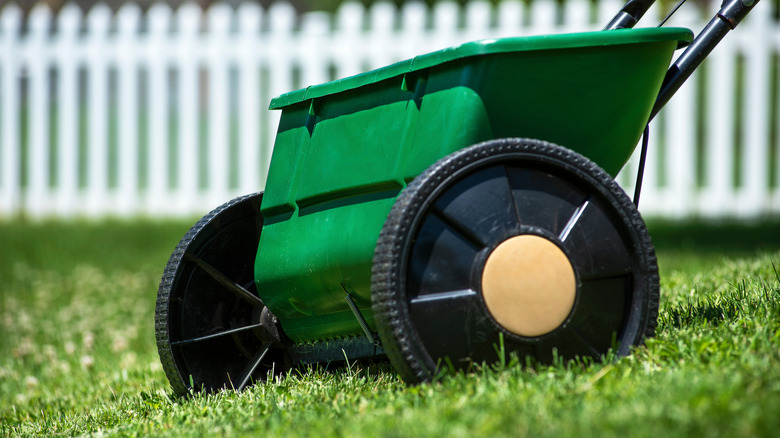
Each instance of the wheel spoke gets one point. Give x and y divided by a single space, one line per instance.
440 260
595 246
229 285
458 228
575 217
601 310
443 297
568 343
443 317
251 367
580 340
216 335
542 199
480 207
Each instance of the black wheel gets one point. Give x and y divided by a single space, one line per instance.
213 331
515 243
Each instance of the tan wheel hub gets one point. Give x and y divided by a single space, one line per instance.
528 285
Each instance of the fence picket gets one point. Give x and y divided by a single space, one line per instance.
98 21
38 114
158 108
413 34
218 104
187 161
477 20
576 14
774 201
445 21
544 17
248 95
680 139
382 47
311 52
510 18
10 141
755 165
349 40
719 138
172 116
128 19
67 110
280 65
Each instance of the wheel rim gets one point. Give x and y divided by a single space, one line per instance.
212 330
454 218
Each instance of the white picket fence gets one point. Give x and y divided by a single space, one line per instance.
164 113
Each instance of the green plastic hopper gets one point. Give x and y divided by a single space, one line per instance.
345 149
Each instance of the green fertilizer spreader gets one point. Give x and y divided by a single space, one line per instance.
439 212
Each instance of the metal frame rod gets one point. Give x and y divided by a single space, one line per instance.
629 15
730 14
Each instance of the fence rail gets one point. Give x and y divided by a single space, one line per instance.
164 113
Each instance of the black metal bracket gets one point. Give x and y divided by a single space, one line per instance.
640 173
372 337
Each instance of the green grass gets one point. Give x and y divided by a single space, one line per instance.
77 354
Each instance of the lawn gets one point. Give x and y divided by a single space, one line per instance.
77 353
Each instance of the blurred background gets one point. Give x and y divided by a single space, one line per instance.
159 108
